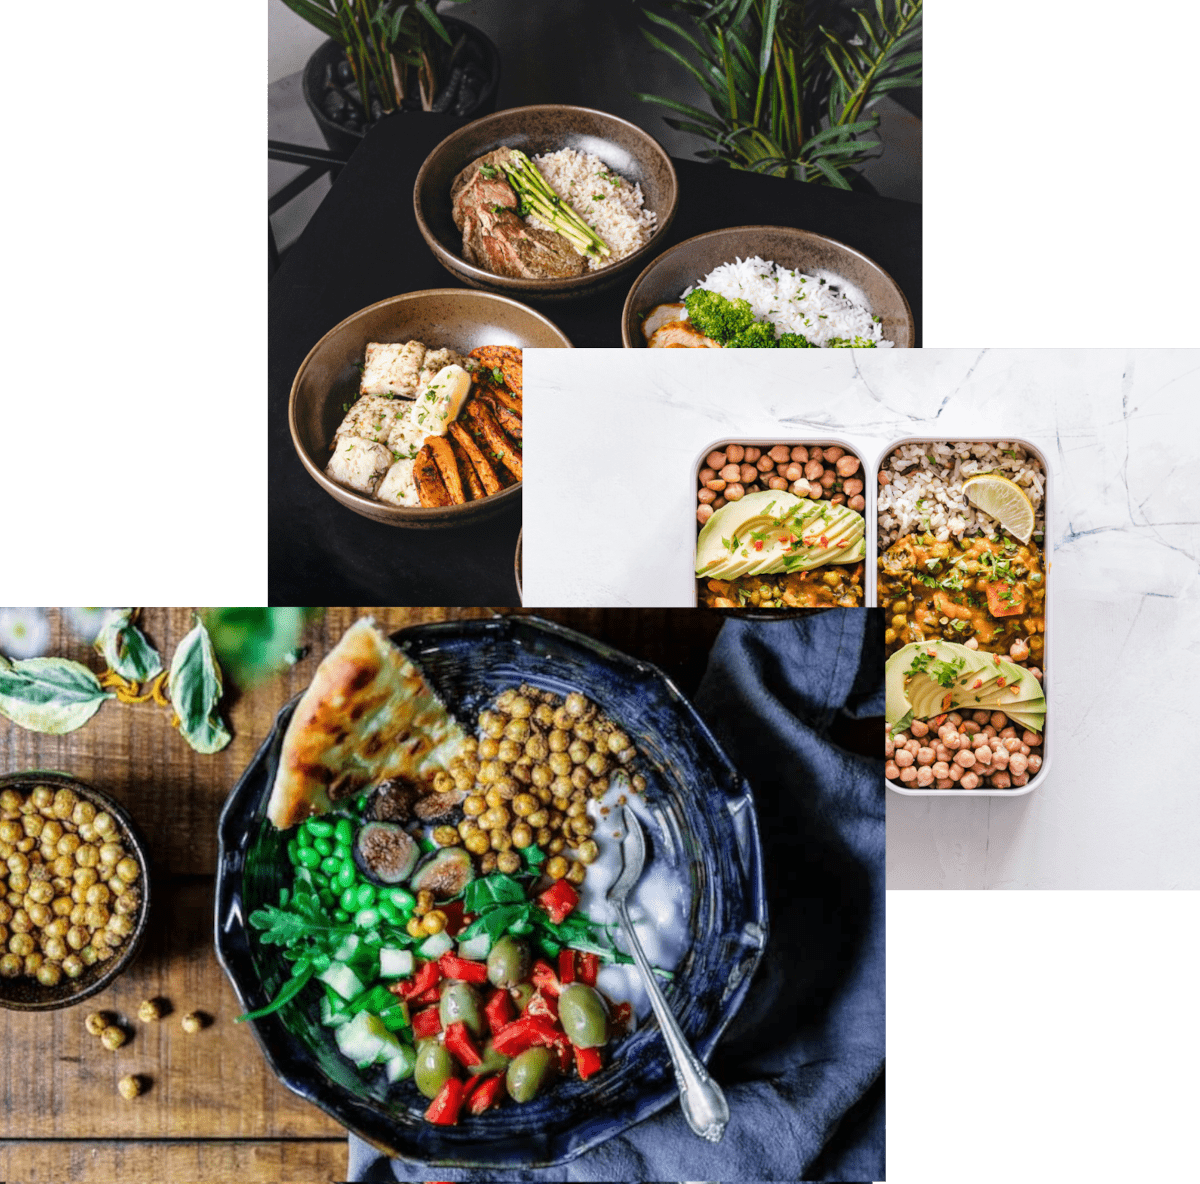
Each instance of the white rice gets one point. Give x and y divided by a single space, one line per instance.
793 302
608 203
925 491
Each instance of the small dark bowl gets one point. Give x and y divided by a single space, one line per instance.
26 994
625 148
679 268
440 317
707 814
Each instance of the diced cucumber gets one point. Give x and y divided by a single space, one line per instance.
349 947
333 1017
342 979
476 948
435 946
396 1018
395 963
400 1064
375 999
359 1040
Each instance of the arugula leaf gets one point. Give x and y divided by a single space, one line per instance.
287 993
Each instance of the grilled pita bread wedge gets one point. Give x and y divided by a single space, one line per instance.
368 715
506 359
447 463
431 489
494 439
480 463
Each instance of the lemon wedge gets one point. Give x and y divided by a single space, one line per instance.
1003 500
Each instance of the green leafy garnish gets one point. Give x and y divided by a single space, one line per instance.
195 690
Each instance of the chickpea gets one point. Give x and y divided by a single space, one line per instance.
544 836
413 928
10 832
965 758
560 764
446 836
434 921
126 904
501 840
42 798
18 863
192 1023
543 714
909 773
588 851
88 956
508 751
576 873
10 800
68 844
477 842
84 878
150 1010
10 966
488 862
846 466
524 804
96 1022
969 781
578 752
508 862
925 775
40 915
97 894
488 749
580 777
522 835
536 748
41 892
903 758
638 782
473 805
65 801
49 974
129 1087
556 844
542 776
31 827
539 819
557 867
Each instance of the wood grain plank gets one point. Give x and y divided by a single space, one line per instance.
154 1162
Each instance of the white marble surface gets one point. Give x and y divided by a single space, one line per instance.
612 437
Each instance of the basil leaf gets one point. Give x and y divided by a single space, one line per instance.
126 650
195 689
49 694
499 920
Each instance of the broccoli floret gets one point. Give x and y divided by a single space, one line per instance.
759 335
850 343
717 317
794 341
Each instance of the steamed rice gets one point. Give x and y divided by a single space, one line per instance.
925 491
608 203
793 302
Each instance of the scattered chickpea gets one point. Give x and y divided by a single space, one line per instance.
130 1086
192 1022
112 1038
150 1010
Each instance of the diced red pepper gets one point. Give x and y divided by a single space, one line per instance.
428 975
622 1015
559 900
562 1050
485 1095
1005 599
499 1010
543 1006
454 916
462 969
431 996
566 966
544 978
444 1109
460 1045
587 1061
588 967
426 1023
525 1033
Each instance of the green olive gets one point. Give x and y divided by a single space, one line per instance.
508 962
521 994
460 1002
528 1072
435 1066
493 1061
583 1015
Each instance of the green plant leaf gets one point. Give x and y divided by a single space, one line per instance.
127 650
770 15
51 695
318 16
426 10
195 688
831 174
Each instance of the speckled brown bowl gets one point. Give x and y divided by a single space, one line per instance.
440 317
625 148
27 994
863 279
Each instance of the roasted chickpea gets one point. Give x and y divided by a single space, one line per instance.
434 921
150 1010
509 751
68 844
522 835
20 922
88 956
539 818
21 944
126 904
542 776
477 842
446 836
473 805
129 1087
558 740
561 764
501 840
10 800
588 851
413 928
84 877
31 827
10 966
557 867
508 862
65 801
578 752
576 873
40 915
556 845
488 749
521 708
487 863
49 974
55 948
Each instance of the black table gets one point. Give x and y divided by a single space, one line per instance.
363 245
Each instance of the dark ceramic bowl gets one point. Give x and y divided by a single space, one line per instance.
701 802
440 317
517 566
26 994
625 148
673 271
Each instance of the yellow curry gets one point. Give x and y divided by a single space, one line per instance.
829 586
991 589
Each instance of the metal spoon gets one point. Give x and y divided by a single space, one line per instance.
703 1103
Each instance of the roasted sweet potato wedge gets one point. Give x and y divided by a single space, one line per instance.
431 489
475 489
508 419
496 441
499 394
506 359
447 463
483 468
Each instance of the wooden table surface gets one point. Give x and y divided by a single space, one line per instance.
213 1111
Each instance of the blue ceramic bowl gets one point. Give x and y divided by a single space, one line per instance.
710 833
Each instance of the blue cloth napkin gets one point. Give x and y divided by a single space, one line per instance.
802 1064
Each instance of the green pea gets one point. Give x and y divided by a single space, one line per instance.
341 916
308 857
320 881
366 918
293 851
402 899
349 899
327 898
366 895
347 875
304 838
322 846
343 832
331 865
343 853
318 826
390 912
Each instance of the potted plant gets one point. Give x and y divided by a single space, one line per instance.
791 81
383 56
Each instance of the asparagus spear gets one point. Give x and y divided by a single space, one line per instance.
537 197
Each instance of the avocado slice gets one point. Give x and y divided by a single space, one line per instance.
775 531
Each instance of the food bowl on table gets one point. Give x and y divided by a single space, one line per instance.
328 382
22 993
623 147
666 278
706 813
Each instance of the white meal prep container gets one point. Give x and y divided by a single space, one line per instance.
1047 665
870 486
